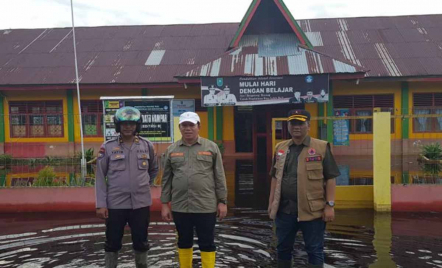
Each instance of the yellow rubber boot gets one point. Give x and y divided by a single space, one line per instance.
208 259
185 255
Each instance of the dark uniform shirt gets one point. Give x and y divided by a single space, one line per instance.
289 187
124 175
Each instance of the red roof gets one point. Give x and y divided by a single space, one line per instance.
386 46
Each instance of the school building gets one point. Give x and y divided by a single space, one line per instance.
391 63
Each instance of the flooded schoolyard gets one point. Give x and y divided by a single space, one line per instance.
357 238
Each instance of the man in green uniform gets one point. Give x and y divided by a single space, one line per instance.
195 185
302 191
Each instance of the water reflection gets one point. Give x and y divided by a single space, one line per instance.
358 238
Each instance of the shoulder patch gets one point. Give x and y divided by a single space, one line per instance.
102 151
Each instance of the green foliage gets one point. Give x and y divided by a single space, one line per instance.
432 151
76 180
47 177
5 159
88 155
220 146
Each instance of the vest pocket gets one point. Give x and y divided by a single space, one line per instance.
314 170
316 201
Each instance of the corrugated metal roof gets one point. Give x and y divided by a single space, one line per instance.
119 54
386 46
254 58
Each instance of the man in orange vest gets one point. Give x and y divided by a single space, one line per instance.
302 190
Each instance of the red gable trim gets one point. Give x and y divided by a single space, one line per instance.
290 21
246 24
287 17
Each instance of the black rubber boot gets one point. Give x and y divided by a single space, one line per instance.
284 263
110 259
140 259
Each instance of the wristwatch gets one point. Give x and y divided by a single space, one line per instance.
222 202
330 203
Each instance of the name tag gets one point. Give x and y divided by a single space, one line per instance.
176 154
313 158
205 153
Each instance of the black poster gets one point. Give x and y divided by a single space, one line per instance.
155 115
156 119
237 91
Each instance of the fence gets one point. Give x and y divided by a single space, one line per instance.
416 153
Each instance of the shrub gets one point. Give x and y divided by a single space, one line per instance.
432 151
47 177
5 159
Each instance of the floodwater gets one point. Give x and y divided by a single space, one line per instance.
357 238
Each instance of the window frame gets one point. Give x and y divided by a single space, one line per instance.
86 105
351 106
27 114
433 107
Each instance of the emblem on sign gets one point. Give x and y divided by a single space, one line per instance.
219 82
309 79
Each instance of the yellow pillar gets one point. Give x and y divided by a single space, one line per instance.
381 160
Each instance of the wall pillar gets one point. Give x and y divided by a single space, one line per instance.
405 124
381 160
211 123
330 113
70 104
2 125
219 123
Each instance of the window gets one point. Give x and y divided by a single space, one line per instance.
362 105
31 119
425 105
92 118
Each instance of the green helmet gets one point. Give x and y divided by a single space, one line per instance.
127 114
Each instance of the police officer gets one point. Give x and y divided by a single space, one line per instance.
302 190
126 167
195 185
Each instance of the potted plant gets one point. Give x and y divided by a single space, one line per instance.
430 160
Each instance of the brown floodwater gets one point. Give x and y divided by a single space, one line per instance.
357 238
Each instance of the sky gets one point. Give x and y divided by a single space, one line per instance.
16 14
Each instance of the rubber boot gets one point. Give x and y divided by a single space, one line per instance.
110 259
315 266
208 259
185 256
284 263
141 259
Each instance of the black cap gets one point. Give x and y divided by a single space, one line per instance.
299 115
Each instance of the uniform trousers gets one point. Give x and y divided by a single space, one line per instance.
287 226
204 225
138 220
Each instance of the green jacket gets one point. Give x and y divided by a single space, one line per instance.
193 177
